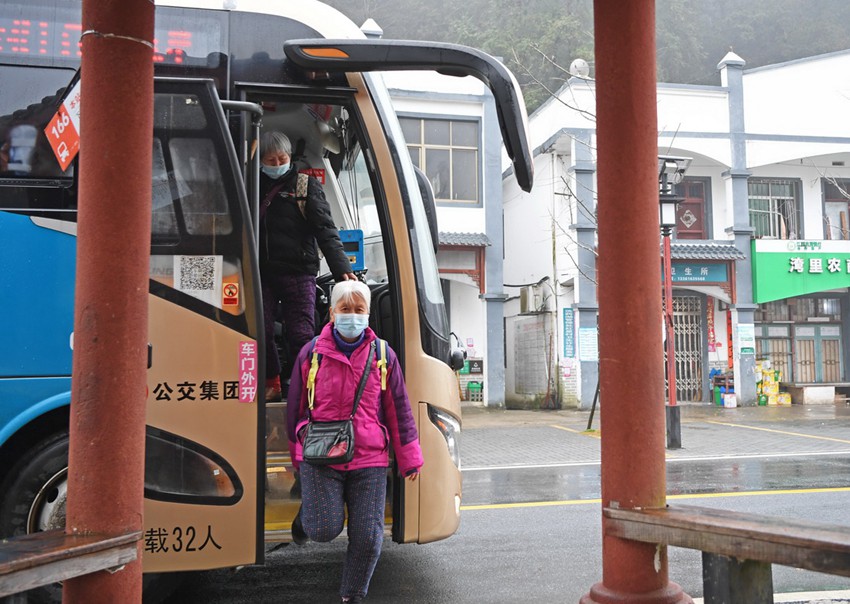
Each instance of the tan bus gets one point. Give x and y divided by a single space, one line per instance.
219 483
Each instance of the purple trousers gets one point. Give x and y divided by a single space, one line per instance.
297 297
325 495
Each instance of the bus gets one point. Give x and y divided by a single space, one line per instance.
219 484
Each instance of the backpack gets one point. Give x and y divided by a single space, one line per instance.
316 360
300 194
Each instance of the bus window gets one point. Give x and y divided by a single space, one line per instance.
356 187
164 218
194 246
198 184
30 176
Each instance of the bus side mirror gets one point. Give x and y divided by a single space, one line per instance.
457 359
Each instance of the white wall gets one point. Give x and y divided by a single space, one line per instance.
692 109
528 240
467 319
803 97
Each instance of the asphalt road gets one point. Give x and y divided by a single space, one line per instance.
530 533
533 553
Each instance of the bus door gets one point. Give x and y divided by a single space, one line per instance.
328 139
203 457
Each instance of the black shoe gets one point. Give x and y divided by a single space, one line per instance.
352 600
299 537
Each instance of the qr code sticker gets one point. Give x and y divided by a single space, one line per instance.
197 273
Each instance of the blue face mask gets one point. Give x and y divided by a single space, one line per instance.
275 171
350 325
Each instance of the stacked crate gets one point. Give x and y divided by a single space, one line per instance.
767 385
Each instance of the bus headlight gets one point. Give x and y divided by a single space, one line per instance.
449 427
180 470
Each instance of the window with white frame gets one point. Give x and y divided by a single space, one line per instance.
774 208
447 151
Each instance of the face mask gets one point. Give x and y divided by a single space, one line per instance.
350 325
275 171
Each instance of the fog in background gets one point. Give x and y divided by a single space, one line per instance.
538 39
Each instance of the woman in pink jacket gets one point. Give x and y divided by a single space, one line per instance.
383 418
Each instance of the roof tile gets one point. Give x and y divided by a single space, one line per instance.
465 239
705 250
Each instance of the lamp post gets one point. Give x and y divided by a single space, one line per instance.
671 170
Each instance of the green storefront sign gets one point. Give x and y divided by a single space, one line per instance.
786 268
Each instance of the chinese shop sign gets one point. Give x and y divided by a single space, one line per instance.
788 268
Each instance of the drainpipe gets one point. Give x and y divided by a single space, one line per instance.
632 381
554 357
107 427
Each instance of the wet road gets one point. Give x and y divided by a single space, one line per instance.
530 526
532 535
721 475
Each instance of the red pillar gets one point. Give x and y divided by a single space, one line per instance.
670 338
107 430
630 349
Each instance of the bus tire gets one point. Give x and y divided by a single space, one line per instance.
38 478
35 479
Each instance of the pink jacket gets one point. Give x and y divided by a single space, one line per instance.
382 417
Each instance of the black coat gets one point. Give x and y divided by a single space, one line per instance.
288 238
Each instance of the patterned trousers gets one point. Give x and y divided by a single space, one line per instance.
325 492
297 295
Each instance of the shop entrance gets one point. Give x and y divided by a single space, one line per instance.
687 327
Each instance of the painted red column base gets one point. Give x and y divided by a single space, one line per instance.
671 594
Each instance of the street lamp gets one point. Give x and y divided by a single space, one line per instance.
671 170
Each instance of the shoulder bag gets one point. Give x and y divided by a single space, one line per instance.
328 443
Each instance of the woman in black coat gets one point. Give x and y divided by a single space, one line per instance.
296 222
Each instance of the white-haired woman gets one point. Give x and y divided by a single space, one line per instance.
294 225
383 417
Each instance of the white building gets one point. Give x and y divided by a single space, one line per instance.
761 252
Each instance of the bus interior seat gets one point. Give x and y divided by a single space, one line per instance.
382 314
299 159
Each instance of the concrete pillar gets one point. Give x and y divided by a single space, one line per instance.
633 466
731 75
106 466
584 168
494 296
